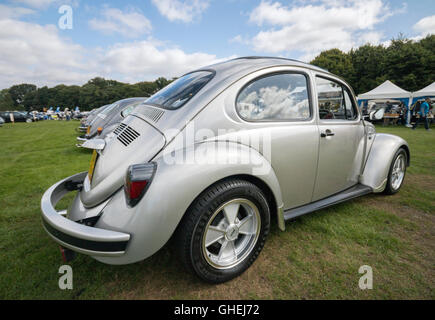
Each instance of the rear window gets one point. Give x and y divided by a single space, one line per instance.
130 108
181 90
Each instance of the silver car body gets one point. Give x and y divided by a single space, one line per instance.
111 116
85 122
305 171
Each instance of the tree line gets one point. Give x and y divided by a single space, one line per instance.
409 64
95 93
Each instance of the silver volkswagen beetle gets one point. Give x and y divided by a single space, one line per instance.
210 159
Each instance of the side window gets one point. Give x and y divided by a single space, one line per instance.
334 101
281 96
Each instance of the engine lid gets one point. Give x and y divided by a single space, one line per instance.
133 141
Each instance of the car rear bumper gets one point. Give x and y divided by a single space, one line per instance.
75 236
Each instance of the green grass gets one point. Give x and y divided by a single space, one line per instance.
317 257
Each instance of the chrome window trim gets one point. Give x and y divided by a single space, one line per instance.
357 120
265 75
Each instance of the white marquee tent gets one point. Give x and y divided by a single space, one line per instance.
428 91
387 90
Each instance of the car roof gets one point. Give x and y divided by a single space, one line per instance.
127 101
252 63
231 70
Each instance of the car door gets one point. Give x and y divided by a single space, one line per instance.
279 105
341 139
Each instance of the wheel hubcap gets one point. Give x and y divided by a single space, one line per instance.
398 172
231 233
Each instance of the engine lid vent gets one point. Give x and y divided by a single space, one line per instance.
152 114
126 134
119 129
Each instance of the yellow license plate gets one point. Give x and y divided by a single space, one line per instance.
92 165
88 130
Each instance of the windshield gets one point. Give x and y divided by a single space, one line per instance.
181 90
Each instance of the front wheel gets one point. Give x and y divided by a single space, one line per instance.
397 172
224 230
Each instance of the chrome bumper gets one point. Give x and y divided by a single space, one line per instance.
75 236
82 129
81 141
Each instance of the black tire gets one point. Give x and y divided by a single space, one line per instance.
389 189
188 238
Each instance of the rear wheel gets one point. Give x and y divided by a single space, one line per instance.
224 230
397 172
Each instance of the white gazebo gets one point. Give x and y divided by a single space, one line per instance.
385 91
428 91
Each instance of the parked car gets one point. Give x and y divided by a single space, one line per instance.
187 164
86 122
2 121
19 116
107 120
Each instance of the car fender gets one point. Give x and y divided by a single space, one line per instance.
175 185
381 153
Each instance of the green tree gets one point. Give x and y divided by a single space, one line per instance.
18 92
409 64
337 62
6 102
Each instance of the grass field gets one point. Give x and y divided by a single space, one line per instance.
317 257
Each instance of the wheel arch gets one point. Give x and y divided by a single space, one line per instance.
261 184
378 163
408 154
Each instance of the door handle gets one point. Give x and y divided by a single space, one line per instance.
327 133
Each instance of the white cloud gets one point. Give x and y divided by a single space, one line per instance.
39 4
314 26
239 39
14 12
38 54
131 24
425 26
373 37
150 59
35 3
178 10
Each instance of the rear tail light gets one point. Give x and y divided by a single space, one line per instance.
137 181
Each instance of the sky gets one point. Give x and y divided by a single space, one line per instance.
49 42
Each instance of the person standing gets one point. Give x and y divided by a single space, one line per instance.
424 110
11 116
67 114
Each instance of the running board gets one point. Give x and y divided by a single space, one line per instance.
353 192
